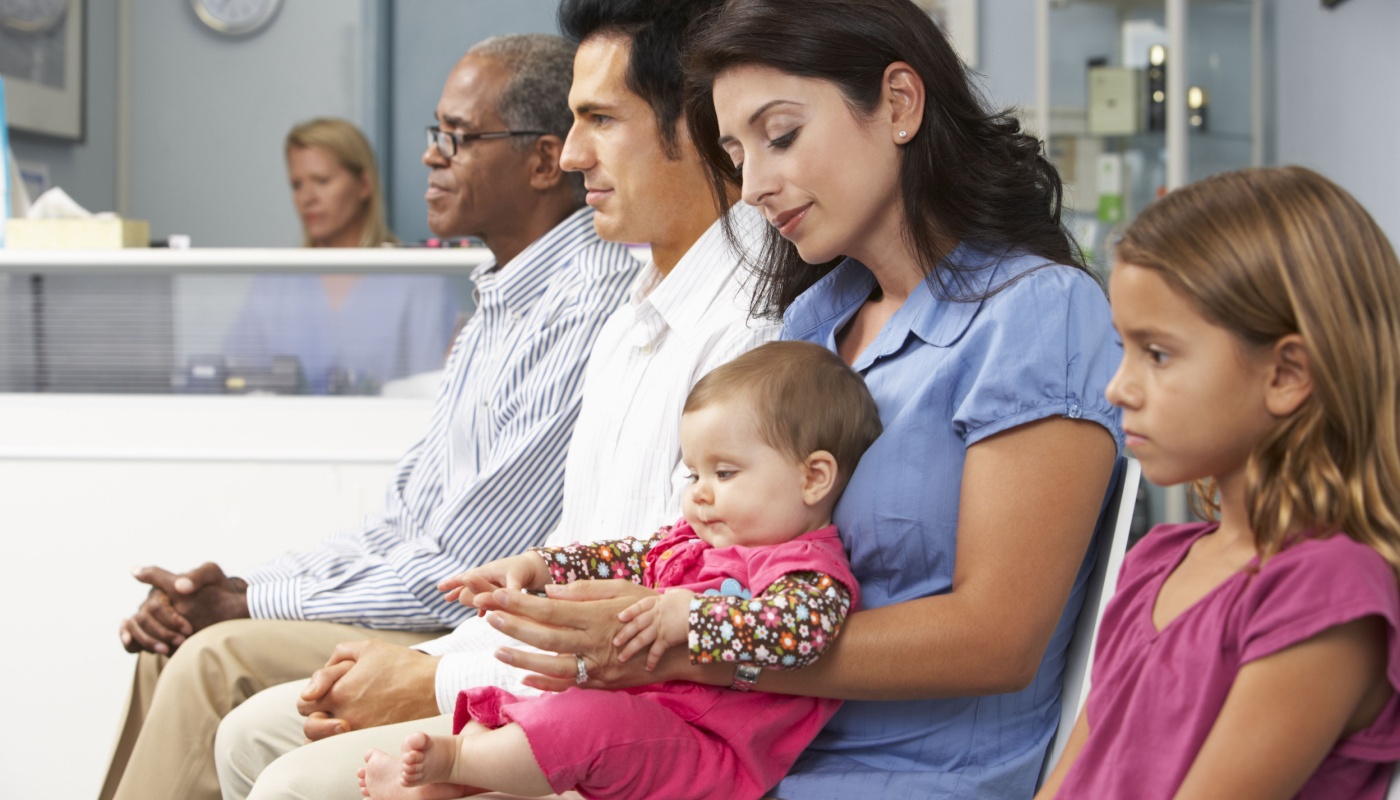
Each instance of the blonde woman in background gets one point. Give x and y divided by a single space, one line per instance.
335 185
350 333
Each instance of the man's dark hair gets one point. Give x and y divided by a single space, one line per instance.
656 29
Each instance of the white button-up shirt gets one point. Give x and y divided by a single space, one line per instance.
623 475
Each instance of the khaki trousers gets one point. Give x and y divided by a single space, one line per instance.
260 753
261 756
165 748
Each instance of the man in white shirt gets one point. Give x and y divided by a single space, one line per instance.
688 313
487 478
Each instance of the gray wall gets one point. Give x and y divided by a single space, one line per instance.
1335 99
208 113
87 170
428 36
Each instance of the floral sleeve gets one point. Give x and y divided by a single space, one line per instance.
618 558
786 627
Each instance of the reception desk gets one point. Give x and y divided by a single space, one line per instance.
98 482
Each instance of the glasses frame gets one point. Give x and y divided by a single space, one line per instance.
437 137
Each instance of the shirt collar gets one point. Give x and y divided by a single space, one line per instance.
524 278
928 314
683 299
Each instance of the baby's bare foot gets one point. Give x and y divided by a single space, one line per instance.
382 778
379 779
428 759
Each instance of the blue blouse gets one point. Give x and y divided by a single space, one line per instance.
945 375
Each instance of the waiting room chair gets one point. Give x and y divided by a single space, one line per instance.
1112 543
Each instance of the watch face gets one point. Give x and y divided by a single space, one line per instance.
32 15
235 16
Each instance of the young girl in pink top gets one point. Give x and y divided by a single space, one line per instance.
754 574
1256 655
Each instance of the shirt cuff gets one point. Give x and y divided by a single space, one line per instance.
440 646
278 599
457 672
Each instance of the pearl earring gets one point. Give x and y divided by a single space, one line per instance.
903 134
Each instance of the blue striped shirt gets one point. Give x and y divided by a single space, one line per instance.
487 479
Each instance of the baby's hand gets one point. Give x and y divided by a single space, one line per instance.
474 587
659 621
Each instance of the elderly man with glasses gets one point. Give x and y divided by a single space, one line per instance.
484 482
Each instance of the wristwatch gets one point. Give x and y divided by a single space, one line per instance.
745 676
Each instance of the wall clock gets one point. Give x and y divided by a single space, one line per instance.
236 17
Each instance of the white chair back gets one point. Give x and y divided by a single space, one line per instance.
1393 793
1112 543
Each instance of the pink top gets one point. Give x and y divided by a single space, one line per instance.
1156 694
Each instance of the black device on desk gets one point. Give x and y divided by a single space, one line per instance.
215 375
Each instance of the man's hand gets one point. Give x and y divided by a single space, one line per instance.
368 684
180 604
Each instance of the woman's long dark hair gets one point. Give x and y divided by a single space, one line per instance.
969 174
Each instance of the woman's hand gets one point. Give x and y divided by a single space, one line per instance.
474 587
576 618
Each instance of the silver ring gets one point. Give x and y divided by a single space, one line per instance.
580 677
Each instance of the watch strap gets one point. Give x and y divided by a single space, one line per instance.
745 676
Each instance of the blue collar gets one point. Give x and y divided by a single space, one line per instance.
928 314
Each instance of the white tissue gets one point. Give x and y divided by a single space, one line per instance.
56 204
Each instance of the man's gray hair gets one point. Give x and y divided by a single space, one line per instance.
536 97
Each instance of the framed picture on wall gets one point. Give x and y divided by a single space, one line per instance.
41 62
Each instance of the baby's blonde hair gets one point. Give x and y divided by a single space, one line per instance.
1269 252
349 147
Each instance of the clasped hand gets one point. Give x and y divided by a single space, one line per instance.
367 684
179 604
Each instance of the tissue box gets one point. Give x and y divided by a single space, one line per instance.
76 234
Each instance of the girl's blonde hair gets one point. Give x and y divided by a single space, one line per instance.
1270 252
349 147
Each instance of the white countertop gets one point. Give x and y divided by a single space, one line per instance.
214 260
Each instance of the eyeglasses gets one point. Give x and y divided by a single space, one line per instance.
447 142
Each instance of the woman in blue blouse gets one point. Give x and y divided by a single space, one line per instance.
916 234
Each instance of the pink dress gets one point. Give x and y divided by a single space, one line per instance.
678 739
1156 695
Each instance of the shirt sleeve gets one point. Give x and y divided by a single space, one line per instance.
468 660
788 626
1311 587
1317 585
1048 349
618 558
385 574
